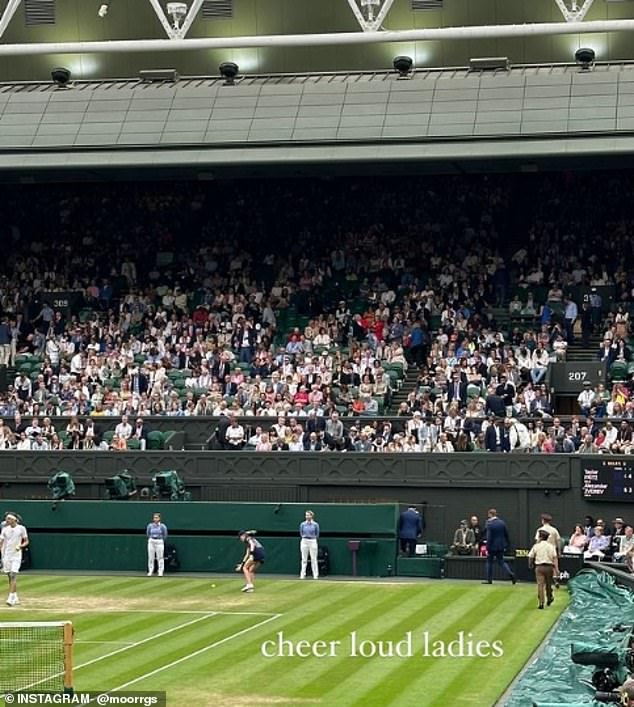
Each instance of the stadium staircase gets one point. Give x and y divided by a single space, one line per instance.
578 352
409 384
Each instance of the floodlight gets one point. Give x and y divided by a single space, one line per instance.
403 64
177 11
60 76
228 70
585 58
369 6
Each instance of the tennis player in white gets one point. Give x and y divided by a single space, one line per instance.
13 539
156 534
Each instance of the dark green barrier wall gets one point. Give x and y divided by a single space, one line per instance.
84 551
102 535
374 519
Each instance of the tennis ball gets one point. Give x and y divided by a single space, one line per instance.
213 586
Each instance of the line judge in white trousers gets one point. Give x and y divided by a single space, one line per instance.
309 533
156 534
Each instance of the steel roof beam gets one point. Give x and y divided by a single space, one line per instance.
305 40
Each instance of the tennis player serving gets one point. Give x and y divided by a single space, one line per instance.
13 539
252 560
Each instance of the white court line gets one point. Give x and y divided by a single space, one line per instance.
195 653
145 640
125 648
111 643
144 611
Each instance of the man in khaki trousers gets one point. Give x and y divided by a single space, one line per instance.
543 557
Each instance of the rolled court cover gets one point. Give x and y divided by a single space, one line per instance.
36 656
598 605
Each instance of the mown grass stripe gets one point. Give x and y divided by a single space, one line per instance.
291 622
451 672
278 673
527 622
398 673
61 585
235 673
330 627
174 663
307 679
94 626
353 671
156 649
223 666
141 626
152 657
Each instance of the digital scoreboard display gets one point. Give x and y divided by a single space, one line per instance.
608 479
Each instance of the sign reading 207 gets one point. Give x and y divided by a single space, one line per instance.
577 375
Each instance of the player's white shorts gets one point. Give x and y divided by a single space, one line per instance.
11 565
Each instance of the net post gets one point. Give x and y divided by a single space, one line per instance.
68 657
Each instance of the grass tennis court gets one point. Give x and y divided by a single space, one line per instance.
203 644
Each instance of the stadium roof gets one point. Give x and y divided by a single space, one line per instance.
73 21
531 115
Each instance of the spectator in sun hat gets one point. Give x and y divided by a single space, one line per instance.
618 526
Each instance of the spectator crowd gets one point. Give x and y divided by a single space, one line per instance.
303 314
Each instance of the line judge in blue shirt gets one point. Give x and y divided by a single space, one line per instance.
309 533
156 533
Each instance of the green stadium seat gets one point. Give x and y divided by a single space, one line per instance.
168 436
155 440
134 444
473 391
85 315
618 371
398 367
381 403
394 379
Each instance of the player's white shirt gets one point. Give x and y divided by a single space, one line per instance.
11 539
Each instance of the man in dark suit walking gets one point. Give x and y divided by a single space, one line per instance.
410 527
496 438
497 540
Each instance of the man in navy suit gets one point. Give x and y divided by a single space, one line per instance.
497 540
410 527
457 391
496 438
607 353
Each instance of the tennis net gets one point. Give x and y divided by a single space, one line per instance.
36 655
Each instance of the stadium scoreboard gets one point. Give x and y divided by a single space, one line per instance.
608 479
